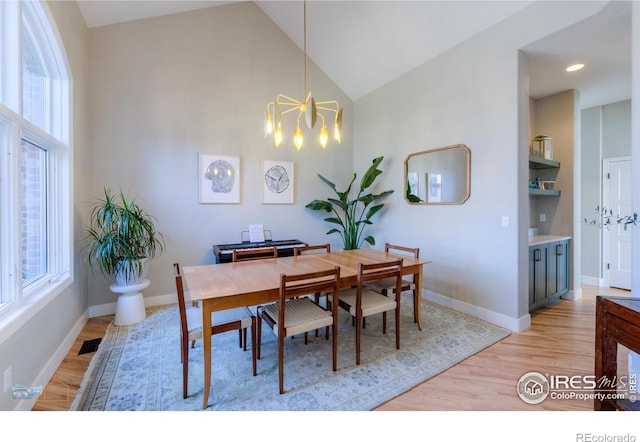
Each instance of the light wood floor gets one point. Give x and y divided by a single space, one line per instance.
560 341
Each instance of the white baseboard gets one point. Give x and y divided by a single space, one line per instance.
53 363
110 309
593 280
499 319
573 294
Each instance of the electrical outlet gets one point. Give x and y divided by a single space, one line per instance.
8 378
543 217
505 221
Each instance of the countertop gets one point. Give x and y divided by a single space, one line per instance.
542 239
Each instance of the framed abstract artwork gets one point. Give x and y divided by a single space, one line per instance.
277 182
218 179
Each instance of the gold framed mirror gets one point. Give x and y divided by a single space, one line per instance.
438 176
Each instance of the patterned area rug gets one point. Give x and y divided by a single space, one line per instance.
138 367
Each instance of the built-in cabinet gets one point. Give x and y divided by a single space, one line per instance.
548 271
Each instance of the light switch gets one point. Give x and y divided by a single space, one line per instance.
505 221
543 217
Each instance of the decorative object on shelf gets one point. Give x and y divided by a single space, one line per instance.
351 215
219 179
122 238
311 109
277 184
607 218
542 146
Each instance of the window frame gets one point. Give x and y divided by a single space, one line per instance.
19 304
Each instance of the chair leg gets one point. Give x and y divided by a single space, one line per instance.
244 337
398 324
415 306
240 337
281 363
358 334
258 334
184 356
253 345
384 323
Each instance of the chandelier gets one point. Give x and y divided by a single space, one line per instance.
311 109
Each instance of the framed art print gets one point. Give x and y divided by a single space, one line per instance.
434 182
219 179
277 182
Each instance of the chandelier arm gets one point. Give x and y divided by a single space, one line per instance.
290 101
289 110
328 109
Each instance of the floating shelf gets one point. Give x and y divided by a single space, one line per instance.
542 192
541 163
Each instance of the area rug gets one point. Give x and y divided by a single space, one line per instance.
138 367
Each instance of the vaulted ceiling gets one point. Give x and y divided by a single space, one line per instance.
385 39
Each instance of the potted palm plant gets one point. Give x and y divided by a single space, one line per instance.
352 215
122 238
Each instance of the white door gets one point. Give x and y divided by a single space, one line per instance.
618 171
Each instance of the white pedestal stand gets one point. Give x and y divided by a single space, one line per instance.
130 307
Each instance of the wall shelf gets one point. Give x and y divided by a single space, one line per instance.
541 163
542 192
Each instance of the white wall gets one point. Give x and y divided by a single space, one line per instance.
167 88
37 348
469 95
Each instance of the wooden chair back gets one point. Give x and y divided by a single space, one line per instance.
319 248
391 248
253 254
368 273
293 286
184 328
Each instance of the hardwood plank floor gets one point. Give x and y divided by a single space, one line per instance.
560 341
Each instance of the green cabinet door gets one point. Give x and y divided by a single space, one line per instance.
538 257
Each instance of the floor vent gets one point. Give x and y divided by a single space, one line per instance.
89 346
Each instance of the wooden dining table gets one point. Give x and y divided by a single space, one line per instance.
237 284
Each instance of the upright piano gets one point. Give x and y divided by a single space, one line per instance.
224 252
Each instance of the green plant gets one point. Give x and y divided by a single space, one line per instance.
122 237
608 218
352 215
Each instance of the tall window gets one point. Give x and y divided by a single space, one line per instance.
35 195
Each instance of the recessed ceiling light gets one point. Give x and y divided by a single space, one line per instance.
575 67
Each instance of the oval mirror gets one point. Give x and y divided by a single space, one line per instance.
438 176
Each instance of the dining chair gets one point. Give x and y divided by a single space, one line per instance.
222 321
252 254
295 313
361 301
387 287
313 250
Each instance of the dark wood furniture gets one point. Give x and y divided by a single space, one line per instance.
224 252
361 301
617 322
251 254
295 313
388 287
